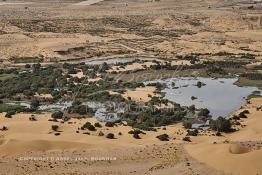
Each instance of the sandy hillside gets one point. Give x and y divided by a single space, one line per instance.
34 149
242 155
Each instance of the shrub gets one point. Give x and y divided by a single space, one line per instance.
57 115
101 133
218 134
34 104
54 127
9 114
242 115
235 117
203 112
187 139
187 124
200 84
136 136
221 125
110 124
4 128
246 111
98 125
110 136
57 134
193 97
88 126
136 131
32 118
163 137
27 66
192 133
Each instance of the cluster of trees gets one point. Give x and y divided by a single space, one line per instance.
28 83
147 119
221 125
252 76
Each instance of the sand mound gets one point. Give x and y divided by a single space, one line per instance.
13 146
227 157
237 149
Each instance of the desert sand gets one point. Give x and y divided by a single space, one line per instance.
141 94
25 138
242 155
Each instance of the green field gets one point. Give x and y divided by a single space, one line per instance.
8 107
6 76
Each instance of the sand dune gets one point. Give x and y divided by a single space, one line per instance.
26 136
220 156
234 158
13 146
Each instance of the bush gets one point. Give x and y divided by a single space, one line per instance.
218 134
101 133
98 125
88 126
221 125
200 84
32 118
246 111
54 127
57 115
242 115
163 137
110 136
203 112
4 128
9 114
34 104
187 124
192 133
110 124
187 139
236 117
136 131
136 136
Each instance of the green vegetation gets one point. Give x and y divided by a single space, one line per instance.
192 132
136 133
10 107
221 125
5 77
98 125
88 126
110 136
163 137
101 133
110 124
187 124
54 127
243 81
57 115
152 117
187 139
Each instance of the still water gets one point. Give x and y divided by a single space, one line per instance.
219 95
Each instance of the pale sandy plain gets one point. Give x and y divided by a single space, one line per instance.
132 28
